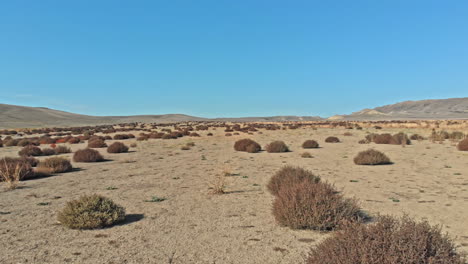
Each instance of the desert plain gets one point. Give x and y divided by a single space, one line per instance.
189 224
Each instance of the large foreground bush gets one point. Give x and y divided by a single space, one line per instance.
15 169
90 212
313 205
387 241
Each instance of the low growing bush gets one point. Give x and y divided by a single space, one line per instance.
310 144
276 147
117 147
247 145
332 140
91 212
55 165
290 175
87 155
371 157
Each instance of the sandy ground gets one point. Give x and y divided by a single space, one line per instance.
428 180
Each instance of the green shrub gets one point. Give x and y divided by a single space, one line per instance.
91 212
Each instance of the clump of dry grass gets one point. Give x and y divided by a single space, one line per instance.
388 240
276 147
55 165
91 212
218 185
96 143
310 144
306 155
371 157
12 172
48 152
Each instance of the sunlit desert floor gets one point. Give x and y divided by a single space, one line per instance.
427 181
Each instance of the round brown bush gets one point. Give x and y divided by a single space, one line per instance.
96 143
87 155
276 147
310 205
290 175
30 151
388 240
74 140
117 147
371 157
11 142
401 139
247 145
91 212
332 140
463 145
55 165
310 144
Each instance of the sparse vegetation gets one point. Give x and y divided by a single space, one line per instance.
463 145
62 150
30 150
91 212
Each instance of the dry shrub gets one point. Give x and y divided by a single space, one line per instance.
290 175
228 134
87 155
276 147
48 152
11 142
306 155
56 165
91 212
62 150
209 134
310 144
416 137
121 136
347 134
13 170
388 240
371 157
30 151
96 143
401 139
313 205
457 135
185 147
332 140
133 145
1 143
463 145
219 184
117 147
383 139
247 145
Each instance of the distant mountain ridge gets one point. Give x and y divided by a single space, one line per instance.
452 108
13 116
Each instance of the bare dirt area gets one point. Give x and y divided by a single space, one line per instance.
427 180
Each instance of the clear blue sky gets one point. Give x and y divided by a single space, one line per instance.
231 58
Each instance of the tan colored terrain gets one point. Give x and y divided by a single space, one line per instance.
427 180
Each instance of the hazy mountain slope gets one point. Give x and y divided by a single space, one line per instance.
13 116
453 108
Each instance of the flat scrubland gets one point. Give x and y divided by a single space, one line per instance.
173 214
